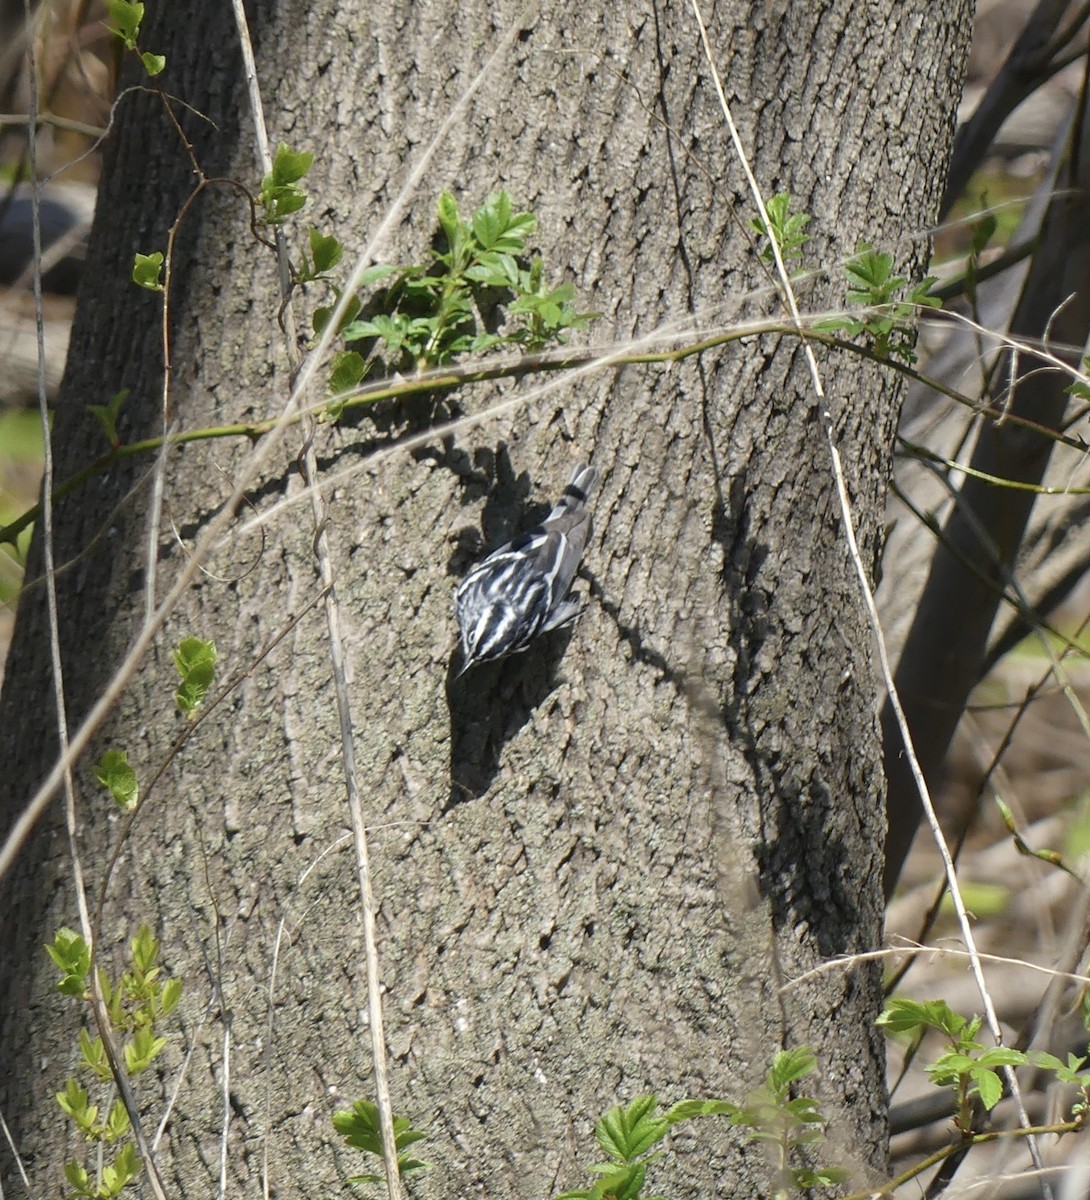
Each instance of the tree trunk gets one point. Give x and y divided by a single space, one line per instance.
598 863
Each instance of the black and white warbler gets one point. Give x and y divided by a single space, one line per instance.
521 589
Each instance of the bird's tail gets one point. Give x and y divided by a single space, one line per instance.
582 481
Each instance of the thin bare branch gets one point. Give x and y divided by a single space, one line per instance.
1020 75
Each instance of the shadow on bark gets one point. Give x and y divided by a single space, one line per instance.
488 706
805 869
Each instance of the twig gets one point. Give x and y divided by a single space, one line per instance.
1015 80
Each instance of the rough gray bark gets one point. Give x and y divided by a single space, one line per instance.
597 863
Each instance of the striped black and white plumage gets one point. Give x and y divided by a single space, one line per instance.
521 589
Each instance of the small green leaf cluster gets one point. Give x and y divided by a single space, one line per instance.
325 253
891 305
1070 1072
429 313
280 194
147 271
72 957
75 1101
116 775
788 228
628 1135
113 1177
139 999
788 1122
126 17
359 1126
134 1004
967 1066
196 662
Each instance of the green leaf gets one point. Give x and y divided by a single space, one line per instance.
490 220
77 1178
319 319
326 252
72 956
282 202
494 270
447 209
482 342
684 1109
93 1053
120 1172
289 166
69 949
126 18
172 994
195 660
112 998
359 1126
921 293
805 1110
117 1123
1069 1072
106 416
788 228
73 1100
394 330
146 271
789 1066
324 313
1080 389
626 1133
496 227
142 1050
989 1087
823 1177
375 273
280 193
983 232
431 313
953 1063
144 949
118 778
153 63
850 326
1002 1056
349 367
623 1185
872 271
909 1016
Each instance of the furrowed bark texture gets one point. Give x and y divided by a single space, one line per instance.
597 863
